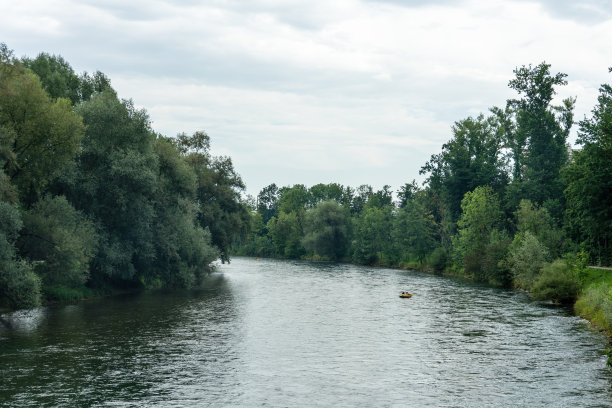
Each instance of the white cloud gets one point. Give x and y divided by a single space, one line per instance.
316 91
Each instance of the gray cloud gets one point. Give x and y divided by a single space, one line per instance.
315 91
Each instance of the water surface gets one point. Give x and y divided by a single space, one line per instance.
301 334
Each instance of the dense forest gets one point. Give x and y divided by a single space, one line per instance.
506 202
92 199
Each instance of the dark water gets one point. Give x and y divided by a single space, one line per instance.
299 334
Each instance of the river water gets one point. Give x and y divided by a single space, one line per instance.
300 334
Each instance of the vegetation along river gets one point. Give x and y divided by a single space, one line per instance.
300 334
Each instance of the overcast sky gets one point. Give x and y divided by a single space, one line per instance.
309 91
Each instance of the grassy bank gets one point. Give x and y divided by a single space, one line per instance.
595 300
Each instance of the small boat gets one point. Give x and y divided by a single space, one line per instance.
405 295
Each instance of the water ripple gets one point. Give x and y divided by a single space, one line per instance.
299 334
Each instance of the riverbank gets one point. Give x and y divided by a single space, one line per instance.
595 300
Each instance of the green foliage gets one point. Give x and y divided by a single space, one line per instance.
527 257
183 249
538 142
293 199
60 81
114 184
326 231
19 285
481 214
494 268
373 236
537 221
557 282
414 230
589 182
439 260
286 234
218 192
267 202
595 304
39 136
472 158
325 192
60 241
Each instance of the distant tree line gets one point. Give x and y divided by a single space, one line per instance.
92 199
506 202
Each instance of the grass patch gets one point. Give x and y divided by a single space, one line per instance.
63 294
595 304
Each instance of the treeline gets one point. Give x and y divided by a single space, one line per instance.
91 198
506 202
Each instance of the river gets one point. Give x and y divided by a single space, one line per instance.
274 333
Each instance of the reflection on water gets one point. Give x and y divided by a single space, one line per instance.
282 333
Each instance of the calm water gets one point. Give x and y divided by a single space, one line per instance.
300 334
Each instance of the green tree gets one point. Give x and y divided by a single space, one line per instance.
293 199
286 234
114 183
39 136
19 285
360 198
267 202
407 193
256 241
589 181
60 81
218 192
372 236
326 231
528 256
60 241
539 139
57 76
537 221
472 158
415 230
183 249
324 192
481 215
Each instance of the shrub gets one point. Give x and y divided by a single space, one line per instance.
439 259
19 285
557 282
526 259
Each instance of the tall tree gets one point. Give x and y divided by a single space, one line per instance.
472 158
480 218
267 202
218 191
589 179
39 136
539 140
114 182
183 249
